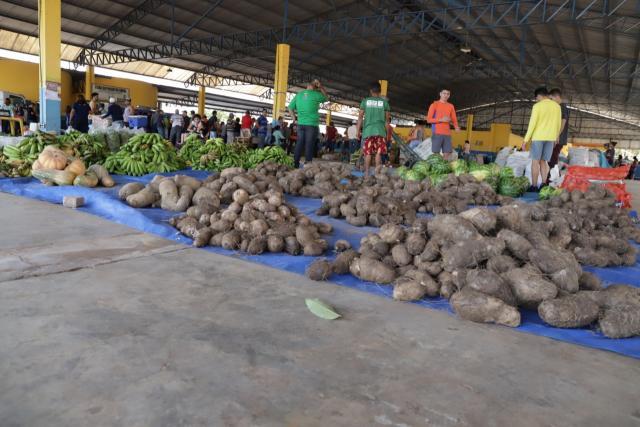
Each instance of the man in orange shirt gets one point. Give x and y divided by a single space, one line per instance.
441 114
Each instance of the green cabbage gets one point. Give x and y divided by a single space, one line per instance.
513 186
459 167
506 173
474 166
549 192
414 175
480 174
435 159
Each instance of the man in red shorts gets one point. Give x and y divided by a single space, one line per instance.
373 118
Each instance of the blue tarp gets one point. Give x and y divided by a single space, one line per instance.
104 202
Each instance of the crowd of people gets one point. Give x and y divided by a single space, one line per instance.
547 132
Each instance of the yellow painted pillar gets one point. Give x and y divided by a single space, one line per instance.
89 80
384 85
49 28
281 79
328 118
201 100
469 126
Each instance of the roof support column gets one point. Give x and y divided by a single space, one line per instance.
89 80
49 28
384 85
201 99
328 118
469 126
281 80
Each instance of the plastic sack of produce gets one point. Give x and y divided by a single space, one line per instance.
423 150
518 162
581 177
578 156
503 155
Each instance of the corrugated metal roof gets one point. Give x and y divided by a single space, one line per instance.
507 51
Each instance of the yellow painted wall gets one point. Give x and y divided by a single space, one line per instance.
19 77
515 140
141 93
22 78
66 95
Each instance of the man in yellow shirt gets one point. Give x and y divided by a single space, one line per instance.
544 129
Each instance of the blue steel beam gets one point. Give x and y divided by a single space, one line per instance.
448 19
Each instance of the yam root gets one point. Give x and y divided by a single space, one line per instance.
478 307
620 322
408 290
319 270
589 282
471 253
372 270
130 189
490 283
343 261
529 286
341 246
572 311
143 198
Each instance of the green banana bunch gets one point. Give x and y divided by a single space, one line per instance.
144 153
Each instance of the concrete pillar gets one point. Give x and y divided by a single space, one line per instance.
49 27
281 80
89 80
384 85
201 101
469 126
328 118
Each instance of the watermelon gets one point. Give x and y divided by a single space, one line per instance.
414 175
422 167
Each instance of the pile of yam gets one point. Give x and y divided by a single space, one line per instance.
491 263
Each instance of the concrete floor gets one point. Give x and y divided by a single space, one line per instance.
103 326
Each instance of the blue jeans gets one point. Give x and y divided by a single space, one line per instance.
307 137
354 145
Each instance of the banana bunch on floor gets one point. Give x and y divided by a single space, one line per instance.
144 153
84 146
17 159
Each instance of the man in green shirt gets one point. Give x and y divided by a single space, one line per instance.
376 113
304 107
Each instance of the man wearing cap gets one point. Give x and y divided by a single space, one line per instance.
115 112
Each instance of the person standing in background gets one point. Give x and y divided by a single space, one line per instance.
556 95
6 126
114 111
632 169
79 116
442 115
262 123
373 118
231 128
245 125
128 111
304 110
417 134
610 152
352 136
94 104
543 132
332 133
177 122
236 127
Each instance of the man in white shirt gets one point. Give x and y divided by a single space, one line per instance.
177 123
352 136
128 111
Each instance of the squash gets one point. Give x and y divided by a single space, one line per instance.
103 175
37 165
77 167
52 158
90 179
53 175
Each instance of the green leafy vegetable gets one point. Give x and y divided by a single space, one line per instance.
549 192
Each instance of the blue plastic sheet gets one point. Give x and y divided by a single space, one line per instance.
104 202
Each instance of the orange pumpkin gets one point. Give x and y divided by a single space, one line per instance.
77 167
52 158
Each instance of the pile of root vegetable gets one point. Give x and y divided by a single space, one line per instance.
256 218
489 263
384 198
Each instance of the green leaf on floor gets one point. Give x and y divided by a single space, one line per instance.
321 309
